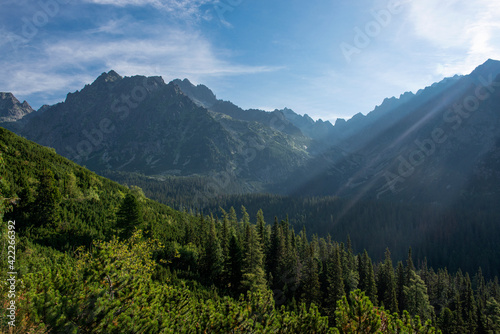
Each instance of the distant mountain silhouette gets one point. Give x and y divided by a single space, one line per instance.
432 146
436 145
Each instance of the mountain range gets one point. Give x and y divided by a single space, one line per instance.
432 146
438 145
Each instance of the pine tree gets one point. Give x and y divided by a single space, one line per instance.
349 269
416 298
303 243
234 265
362 273
482 293
276 255
468 304
402 280
253 275
47 209
290 272
335 288
409 266
24 212
225 242
262 231
129 216
446 321
310 286
456 303
386 284
357 315
245 217
441 291
212 261
371 285
492 313
233 220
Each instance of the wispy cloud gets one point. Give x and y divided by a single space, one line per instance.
458 27
178 52
164 4
62 64
178 8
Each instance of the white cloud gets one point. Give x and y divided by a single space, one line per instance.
462 32
61 65
164 4
178 8
178 52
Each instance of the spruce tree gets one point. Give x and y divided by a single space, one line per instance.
233 220
492 313
349 269
362 273
245 217
212 261
371 285
416 298
129 216
290 272
225 242
47 209
402 280
310 286
234 265
262 231
253 275
335 288
276 255
468 304
386 284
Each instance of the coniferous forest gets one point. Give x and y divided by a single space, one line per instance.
231 166
93 256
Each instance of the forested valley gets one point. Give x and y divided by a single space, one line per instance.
436 232
93 256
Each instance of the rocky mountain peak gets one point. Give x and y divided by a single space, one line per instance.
200 94
489 68
11 109
111 76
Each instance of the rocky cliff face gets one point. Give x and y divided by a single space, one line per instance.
11 109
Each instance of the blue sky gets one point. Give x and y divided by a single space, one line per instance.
328 59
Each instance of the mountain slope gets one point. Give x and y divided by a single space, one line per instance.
132 124
140 124
204 97
319 130
430 148
170 274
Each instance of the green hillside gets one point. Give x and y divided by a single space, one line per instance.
92 256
